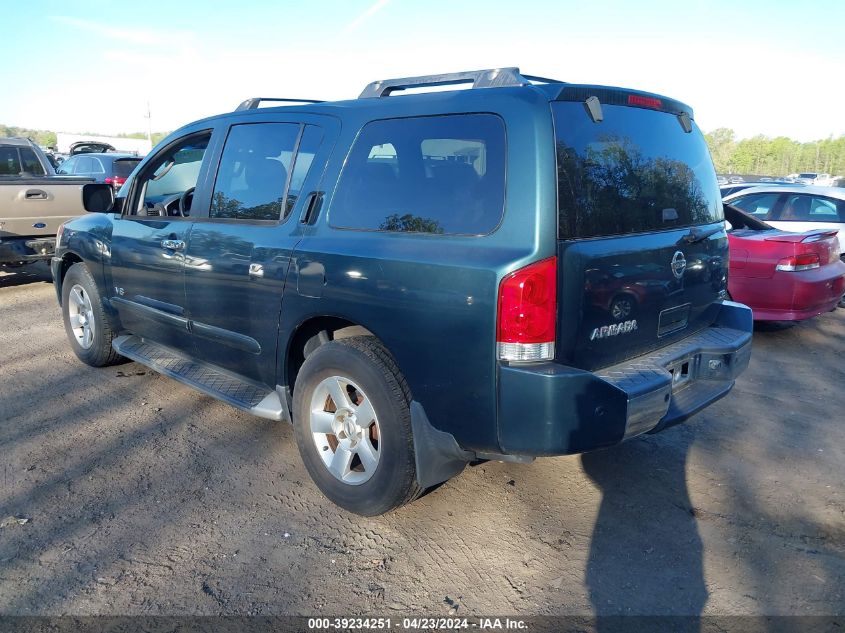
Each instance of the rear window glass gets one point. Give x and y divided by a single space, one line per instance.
10 164
442 174
124 166
636 171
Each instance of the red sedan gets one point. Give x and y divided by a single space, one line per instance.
783 276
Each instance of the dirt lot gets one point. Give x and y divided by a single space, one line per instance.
145 497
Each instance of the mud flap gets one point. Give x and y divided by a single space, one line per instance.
437 454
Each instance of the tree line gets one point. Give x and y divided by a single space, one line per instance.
777 156
47 138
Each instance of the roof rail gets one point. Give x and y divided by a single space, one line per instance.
253 103
489 78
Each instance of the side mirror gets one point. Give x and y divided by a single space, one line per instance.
97 198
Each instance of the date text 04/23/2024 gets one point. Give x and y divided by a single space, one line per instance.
417 624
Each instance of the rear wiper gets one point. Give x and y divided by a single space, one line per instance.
695 236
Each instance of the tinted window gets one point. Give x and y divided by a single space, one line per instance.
308 146
31 164
809 208
67 166
636 171
84 165
177 172
253 171
760 205
124 166
97 166
9 162
443 174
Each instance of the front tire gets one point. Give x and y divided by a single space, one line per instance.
88 324
351 414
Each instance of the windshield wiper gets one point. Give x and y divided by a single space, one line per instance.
695 236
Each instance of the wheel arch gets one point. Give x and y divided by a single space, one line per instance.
68 259
438 457
313 332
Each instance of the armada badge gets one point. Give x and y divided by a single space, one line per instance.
606 331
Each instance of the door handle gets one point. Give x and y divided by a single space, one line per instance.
312 207
256 270
173 245
35 194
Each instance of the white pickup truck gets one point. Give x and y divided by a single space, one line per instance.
34 201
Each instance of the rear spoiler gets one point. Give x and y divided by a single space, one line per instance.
809 236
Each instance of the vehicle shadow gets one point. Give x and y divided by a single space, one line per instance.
646 554
28 274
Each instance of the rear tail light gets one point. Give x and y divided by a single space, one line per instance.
804 261
527 313
116 181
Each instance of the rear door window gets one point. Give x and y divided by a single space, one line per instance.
811 208
635 171
30 162
254 171
440 175
84 165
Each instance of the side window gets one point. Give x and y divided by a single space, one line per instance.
825 210
31 164
759 205
308 146
10 164
84 165
809 208
254 171
171 176
66 167
97 166
440 174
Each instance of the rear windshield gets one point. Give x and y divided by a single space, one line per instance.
636 171
124 166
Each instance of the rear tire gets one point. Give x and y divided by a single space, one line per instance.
88 324
352 420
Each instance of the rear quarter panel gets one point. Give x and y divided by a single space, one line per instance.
432 298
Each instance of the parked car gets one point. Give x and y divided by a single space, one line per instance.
783 276
111 168
729 189
361 269
34 202
89 147
813 178
795 207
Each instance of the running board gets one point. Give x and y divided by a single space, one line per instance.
213 381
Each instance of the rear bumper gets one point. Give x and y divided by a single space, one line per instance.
551 409
26 249
795 296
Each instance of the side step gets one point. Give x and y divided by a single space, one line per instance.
213 381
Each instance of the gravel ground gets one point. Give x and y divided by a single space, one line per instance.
145 497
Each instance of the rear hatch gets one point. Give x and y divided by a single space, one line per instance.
642 250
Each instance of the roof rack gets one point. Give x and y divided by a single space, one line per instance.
252 104
489 78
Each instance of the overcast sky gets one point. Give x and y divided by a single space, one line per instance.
770 67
